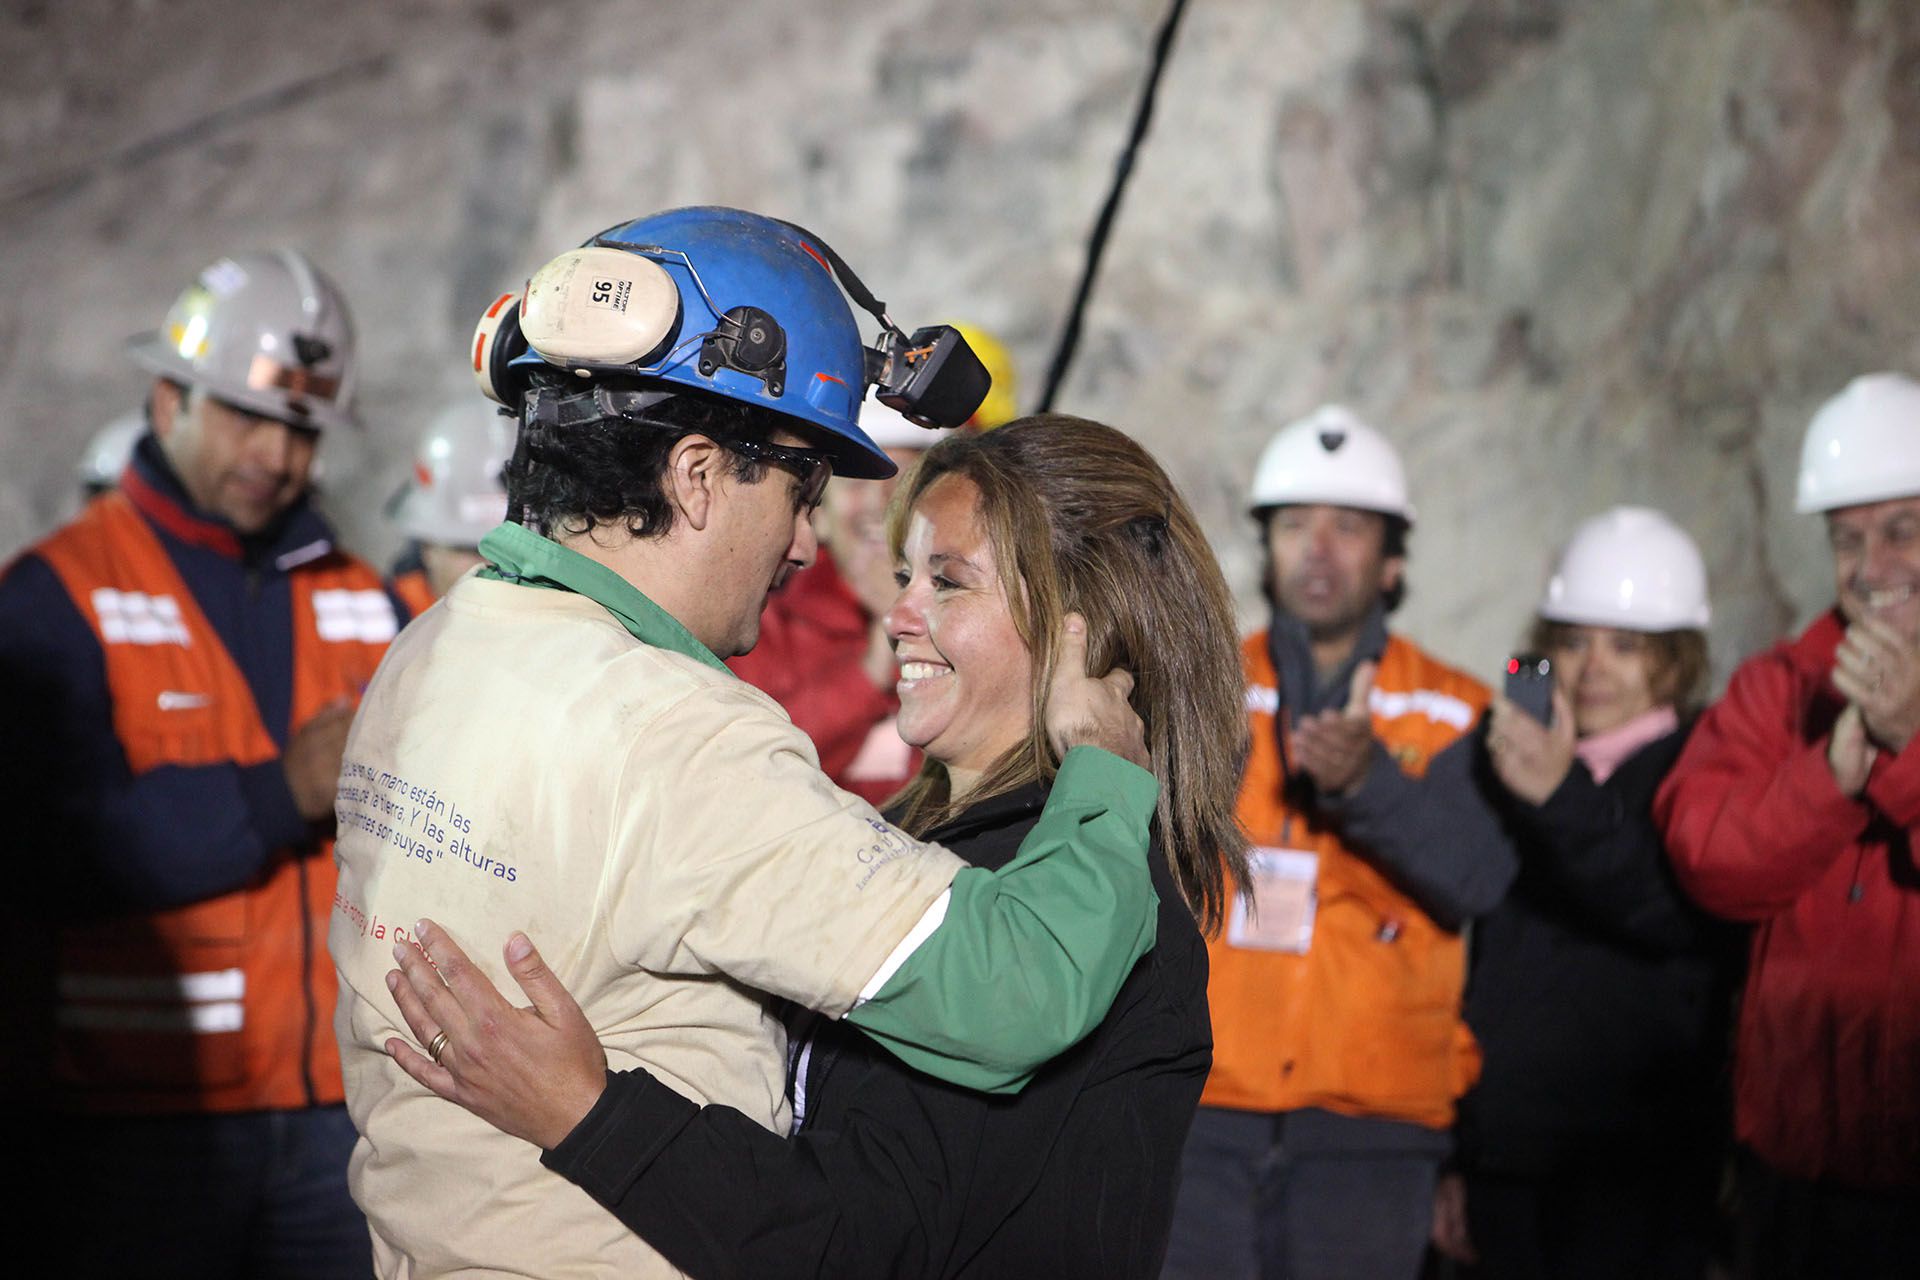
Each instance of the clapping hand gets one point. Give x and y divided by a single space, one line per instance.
1335 747
1879 672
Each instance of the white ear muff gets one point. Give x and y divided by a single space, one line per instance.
497 340
599 306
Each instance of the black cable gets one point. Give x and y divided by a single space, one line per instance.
1097 244
861 295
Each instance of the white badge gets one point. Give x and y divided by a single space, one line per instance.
1280 917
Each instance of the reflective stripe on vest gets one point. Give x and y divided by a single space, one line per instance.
180 1004
225 1004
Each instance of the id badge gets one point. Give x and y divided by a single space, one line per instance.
1280 917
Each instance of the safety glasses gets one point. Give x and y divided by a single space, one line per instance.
557 407
810 467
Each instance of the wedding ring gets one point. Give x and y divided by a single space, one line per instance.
436 1047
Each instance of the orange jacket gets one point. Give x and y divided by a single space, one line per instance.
224 1004
414 590
1365 1022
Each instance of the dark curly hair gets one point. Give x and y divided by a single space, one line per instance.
581 476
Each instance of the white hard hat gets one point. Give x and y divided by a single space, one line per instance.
110 450
265 332
887 427
1631 568
1863 445
456 494
1331 456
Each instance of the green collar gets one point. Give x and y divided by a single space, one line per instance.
518 555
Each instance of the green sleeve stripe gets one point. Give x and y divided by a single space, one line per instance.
1030 957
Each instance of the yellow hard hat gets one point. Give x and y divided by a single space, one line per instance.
1002 402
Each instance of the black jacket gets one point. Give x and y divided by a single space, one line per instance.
1600 995
894 1173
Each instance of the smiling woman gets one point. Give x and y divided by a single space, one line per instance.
1079 519
1051 541
965 669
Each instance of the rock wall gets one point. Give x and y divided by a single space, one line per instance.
1566 254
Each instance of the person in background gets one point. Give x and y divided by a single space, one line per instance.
178 668
1594 1142
107 455
455 494
1339 1048
824 653
1795 807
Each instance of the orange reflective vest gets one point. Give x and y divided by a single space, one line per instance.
225 1004
1361 1014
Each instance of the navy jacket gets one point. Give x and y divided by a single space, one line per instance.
95 839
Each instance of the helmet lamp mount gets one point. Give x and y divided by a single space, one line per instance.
933 377
749 341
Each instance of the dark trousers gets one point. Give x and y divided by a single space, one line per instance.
1789 1228
1304 1195
258 1194
1654 1222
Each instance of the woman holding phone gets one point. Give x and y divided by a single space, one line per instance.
1051 539
1593 1142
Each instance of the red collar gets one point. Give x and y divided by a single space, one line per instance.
176 519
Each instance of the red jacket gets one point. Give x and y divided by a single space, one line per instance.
1827 1059
813 641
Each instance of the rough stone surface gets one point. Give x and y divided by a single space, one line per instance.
1567 255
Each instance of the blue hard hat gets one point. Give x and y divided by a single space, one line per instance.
729 267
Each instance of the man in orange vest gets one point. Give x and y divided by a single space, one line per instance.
1339 1048
180 666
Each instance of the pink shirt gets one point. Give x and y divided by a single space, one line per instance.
1602 753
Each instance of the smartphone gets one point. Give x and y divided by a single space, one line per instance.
1530 685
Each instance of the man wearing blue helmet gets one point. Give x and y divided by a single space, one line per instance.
559 749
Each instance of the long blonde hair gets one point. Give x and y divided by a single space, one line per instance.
1083 520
